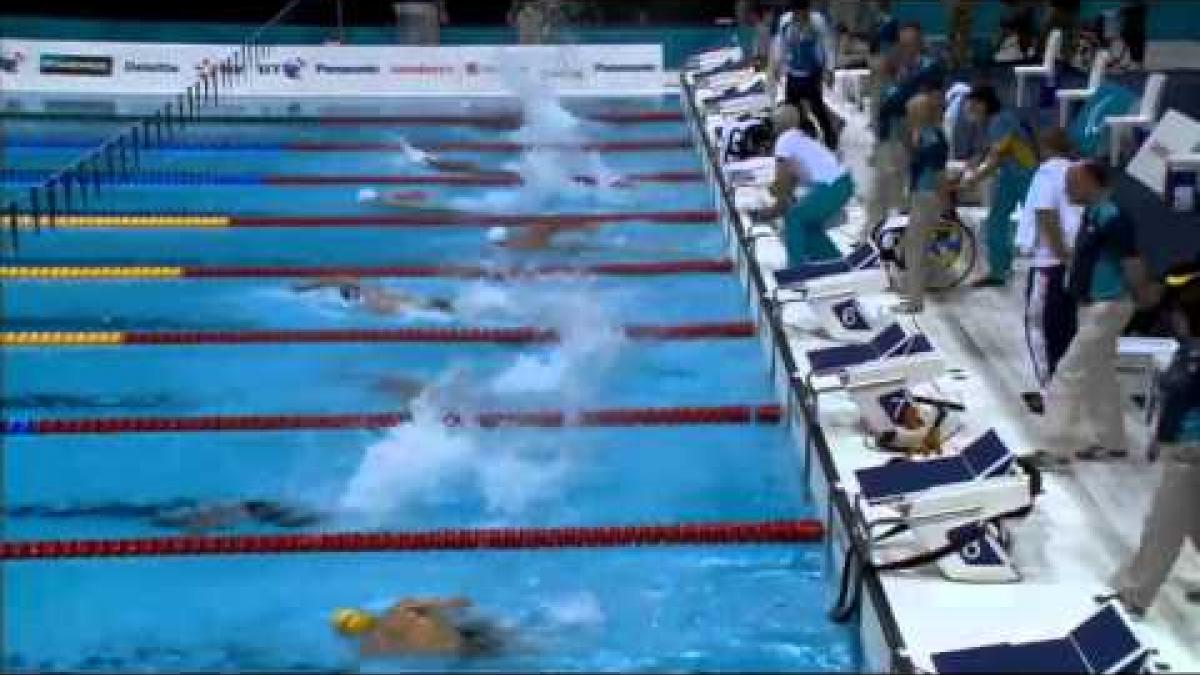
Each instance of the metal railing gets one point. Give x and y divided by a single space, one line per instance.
116 156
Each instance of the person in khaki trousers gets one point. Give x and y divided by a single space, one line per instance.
1106 277
1175 512
928 153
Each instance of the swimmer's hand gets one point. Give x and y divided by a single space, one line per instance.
414 155
368 195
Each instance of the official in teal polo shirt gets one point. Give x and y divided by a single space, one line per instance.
1106 277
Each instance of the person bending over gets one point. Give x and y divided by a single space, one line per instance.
421 627
803 162
376 299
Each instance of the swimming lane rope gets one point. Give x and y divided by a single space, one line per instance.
637 145
416 334
764 532
73 272
761 414
416 218
199 178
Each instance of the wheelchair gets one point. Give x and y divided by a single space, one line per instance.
951 254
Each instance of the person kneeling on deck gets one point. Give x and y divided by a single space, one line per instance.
928 153
421 627
804 163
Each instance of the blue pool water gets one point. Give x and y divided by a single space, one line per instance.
699 608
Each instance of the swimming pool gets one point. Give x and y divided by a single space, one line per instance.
695 608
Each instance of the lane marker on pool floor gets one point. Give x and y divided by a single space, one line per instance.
413 218
184 178
414 334
119 272
629 146
507 538
766 414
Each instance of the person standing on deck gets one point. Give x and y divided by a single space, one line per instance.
905 72
1175 512
803 162
929 153
1106 277
1047 229
803 55
1011 157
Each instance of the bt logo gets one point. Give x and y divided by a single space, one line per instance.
10 62
291 68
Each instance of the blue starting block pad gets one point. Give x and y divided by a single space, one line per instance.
865 256
986 457
891 342
1104 643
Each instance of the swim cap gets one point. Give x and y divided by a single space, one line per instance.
498 235
352 621
368 195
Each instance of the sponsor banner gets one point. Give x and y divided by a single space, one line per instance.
332 70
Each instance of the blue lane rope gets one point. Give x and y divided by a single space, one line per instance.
27 177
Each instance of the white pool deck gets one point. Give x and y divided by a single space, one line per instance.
1084 525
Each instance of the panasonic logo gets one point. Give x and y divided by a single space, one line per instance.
157 67
626 67
347 70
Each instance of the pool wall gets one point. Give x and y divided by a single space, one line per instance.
883 647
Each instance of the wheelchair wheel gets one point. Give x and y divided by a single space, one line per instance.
949 258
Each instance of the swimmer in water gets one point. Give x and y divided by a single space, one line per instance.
535 237
429 159
200 518
375 299
421 627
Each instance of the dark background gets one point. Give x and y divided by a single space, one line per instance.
357 12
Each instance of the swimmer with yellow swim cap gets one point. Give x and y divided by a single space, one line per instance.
414 626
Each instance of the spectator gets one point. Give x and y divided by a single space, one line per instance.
958 22
1175 512
906 72
803 55
1011 157
1133 31
1063 15
1106 277
803 162
1047 228
1019 23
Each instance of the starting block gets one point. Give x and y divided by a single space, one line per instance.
1104 643
891 357
954 507
831 288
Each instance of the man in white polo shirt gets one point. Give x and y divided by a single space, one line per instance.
1046 229
802 162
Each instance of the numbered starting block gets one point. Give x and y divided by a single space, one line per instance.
831 290
955 508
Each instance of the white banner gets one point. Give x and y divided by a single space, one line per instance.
332 70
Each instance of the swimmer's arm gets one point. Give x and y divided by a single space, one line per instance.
457 602
326 282
452 165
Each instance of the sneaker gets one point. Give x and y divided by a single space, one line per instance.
908 307
1035 402
1135 612
1096 453
988 282
1048 461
